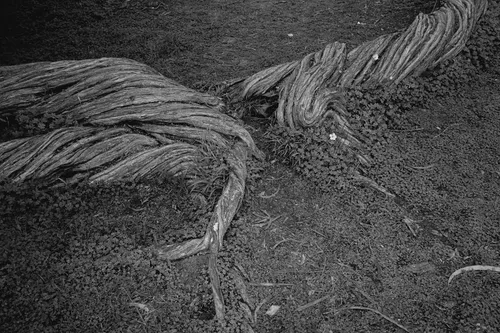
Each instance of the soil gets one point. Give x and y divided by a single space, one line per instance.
352 261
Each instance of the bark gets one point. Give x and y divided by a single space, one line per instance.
312 89
130 122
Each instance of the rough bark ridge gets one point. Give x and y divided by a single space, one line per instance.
131 123
312 89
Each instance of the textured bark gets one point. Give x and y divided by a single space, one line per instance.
312 89
131 122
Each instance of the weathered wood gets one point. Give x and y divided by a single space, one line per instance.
311 89
224 212
154 115
132 124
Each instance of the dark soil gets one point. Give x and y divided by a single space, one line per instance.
77 259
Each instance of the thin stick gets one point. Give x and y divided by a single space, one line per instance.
284 240
420 168
447 128
319 233
269 284
408 223
258 308
380 314
266 214
266 222
368 297
313 303
410 130
263 196
373 184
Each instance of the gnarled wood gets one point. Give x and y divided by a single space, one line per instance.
311 89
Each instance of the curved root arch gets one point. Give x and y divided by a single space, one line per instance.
311 89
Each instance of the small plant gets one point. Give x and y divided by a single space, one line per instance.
313 154
211 172
29 123
484 43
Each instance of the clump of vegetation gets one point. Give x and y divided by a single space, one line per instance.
313 154
484 43
30 123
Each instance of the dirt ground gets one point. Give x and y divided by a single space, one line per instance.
352 261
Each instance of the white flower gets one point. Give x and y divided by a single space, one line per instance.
333 136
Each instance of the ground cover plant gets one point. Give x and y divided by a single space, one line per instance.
312 249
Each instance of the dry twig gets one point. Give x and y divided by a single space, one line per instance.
313 303
374 311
